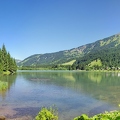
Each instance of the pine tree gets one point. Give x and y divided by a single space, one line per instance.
1 62
7 63
13 66
4 58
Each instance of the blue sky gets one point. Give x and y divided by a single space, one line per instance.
30 27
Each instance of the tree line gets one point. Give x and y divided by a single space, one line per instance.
7 63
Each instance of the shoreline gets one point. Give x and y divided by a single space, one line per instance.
106 114
18 118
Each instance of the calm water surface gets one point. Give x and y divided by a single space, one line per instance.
73 92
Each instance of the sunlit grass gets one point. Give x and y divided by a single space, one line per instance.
95 62
69 63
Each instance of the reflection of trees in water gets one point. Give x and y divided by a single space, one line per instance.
100 85
6 81
59 78
48 76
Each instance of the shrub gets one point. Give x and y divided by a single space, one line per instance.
113 115
82 117
51 114
47 114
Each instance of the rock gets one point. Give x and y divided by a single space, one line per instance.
2 118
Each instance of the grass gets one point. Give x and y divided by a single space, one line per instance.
69 63
95 63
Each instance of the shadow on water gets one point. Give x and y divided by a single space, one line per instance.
28 111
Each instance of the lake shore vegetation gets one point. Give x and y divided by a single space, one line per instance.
112 115
51 114
47 114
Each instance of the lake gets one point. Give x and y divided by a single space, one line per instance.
72 92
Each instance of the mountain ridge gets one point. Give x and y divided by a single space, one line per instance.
61 57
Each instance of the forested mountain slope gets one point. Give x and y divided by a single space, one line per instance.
108 59
61 57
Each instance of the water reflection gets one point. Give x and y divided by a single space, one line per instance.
5 84
73 92
100 85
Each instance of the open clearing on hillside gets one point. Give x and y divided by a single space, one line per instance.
69 63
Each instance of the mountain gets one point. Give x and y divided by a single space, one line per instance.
17 61
72 54
107 57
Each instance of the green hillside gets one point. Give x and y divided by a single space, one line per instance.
108 59
51 58
84 54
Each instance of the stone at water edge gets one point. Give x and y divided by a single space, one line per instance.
2 118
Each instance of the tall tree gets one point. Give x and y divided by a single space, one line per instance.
4 58
7 63
1 61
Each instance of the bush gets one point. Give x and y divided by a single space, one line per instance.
113 115
47 114
82 117
52 114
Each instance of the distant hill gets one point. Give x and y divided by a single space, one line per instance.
61 57
17 61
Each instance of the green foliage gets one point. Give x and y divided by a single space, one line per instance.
109 59
82 117
113 115
7 63
3 85
47 114
50 114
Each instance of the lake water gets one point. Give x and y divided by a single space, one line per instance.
72 92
